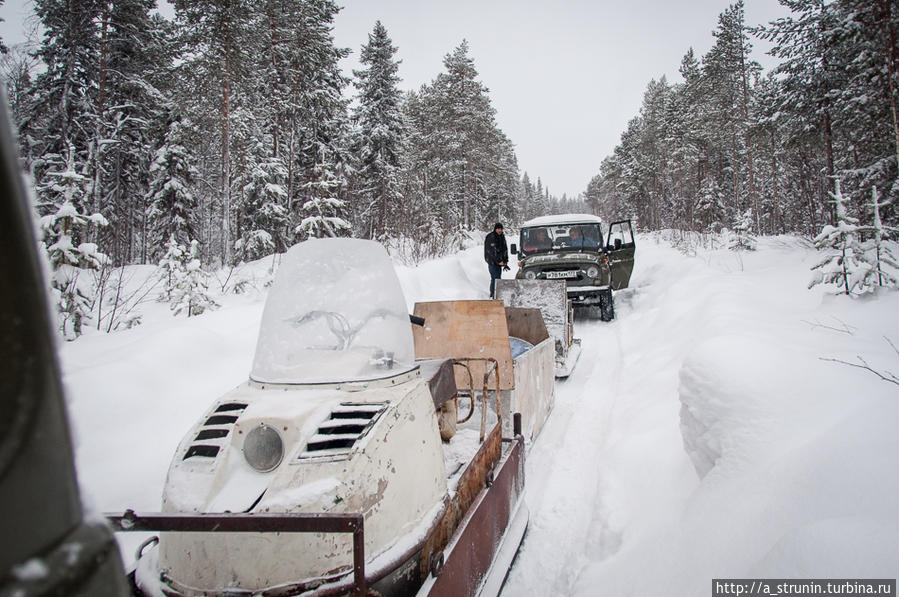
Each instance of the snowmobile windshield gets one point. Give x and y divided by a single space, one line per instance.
580 236
335 313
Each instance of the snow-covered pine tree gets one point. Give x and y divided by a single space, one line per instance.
319 124
60 122
456 142
379 136
219 42
190 289
845 265
742 239
777 204
172 204
682 148
809 73
129 105
171 267
730 72
324 210
883 264
867 102
266 220
73 294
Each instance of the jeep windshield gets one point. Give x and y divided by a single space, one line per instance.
335 313
556 237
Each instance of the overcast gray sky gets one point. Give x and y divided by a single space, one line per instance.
565 76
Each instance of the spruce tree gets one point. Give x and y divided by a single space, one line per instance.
266 220
805 44
319 156
846 267
128 105
883 264
379 135
219 42
190 288
69 258
171 267
172 204
742 239
59 125
324 210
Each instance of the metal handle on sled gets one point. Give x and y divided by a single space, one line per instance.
492 368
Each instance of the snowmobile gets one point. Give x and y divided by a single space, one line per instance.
551 297
342 465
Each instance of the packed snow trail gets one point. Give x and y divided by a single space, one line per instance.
569 490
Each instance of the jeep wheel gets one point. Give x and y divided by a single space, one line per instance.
606 306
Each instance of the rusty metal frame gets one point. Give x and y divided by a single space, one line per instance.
459 363
254 523
492 368
469 552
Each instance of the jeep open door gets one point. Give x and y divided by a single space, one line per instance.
620 249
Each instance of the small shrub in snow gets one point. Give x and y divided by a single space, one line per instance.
186 284
742 238
845 265
118 295
73 293
171 266
882 264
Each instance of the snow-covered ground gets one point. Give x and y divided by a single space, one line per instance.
702 435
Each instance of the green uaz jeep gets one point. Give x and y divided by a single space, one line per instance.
570 247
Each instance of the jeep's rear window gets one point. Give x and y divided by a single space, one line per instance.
560 237
335 312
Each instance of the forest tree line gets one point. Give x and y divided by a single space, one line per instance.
729 142
234 126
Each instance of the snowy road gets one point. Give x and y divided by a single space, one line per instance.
564 492
571 470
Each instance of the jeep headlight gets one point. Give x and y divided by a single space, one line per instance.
263 448
530 274
592 272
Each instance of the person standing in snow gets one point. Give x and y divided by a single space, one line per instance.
496 254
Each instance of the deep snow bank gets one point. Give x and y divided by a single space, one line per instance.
793 457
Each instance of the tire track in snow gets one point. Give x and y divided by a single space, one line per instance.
563 472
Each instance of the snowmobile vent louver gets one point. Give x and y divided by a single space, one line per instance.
216 427
347 424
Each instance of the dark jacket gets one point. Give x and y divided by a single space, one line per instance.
495 249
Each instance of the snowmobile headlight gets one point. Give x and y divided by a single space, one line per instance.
592 272
530 274
263 448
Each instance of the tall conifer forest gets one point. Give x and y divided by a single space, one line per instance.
232 126
730 140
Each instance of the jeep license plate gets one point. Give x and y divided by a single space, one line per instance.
555 275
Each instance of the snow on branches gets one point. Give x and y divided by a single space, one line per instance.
852 264
742 239
61 231
884 265
186 284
